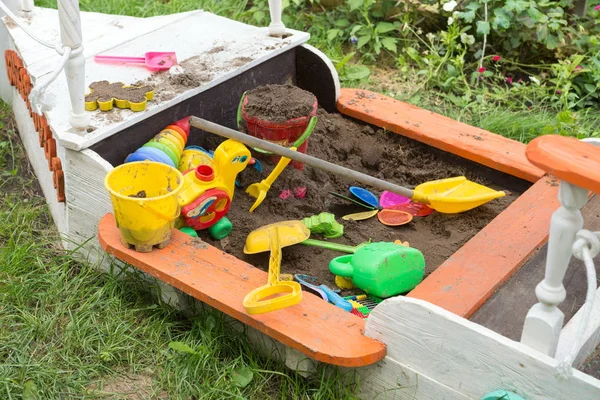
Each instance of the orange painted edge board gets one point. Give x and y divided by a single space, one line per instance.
314 327
568 159
444 133
473 273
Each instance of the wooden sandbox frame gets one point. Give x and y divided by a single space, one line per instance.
419 346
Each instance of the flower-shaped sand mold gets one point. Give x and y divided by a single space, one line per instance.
106 95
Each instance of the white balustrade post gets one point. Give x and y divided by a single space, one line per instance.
70 34
544 321
27 6
276 28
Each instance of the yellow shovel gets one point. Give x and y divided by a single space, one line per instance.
449 196
259 190
276 294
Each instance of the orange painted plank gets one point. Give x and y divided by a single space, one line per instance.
444 133
568 159
472 274
314 327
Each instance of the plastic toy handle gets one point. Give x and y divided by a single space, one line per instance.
336 299
307 132
239 111
283 162
160 215
117 59
341 266
331 246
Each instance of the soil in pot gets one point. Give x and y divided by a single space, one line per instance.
376 152
279 103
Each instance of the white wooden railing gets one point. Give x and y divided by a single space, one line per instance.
543 328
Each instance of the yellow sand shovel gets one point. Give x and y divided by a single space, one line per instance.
259 190
449 196
276 294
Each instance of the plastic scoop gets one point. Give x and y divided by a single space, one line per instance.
365 196
394 217
153 60
359 203
414 208
259 190
361 216
390 199
276 294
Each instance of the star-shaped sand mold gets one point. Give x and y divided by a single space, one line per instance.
106 95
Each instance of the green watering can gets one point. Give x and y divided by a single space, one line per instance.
382 269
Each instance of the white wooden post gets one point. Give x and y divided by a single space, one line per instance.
544 321
276 28
70 34
26 5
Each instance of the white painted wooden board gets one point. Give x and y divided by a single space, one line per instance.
38 161
388 379
101 32
466 357
591 337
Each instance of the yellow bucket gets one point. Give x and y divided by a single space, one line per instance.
144 199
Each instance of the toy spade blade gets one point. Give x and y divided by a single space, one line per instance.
394 217
390 199
361 216
341 196
365 196
414 208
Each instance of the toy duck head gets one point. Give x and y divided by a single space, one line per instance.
230 159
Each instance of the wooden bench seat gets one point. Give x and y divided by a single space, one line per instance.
316 328
568 159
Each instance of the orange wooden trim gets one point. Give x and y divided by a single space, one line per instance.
466 141
43 134
56 164
50 151
59 184
568 159
314 327
471 275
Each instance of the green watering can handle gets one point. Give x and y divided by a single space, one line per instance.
341 266
160 215
309 130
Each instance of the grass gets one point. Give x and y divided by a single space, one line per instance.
69 331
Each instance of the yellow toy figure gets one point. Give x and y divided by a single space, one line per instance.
208 190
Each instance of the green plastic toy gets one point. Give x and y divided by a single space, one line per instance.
382 269
324 223
502 395
221 229
188 230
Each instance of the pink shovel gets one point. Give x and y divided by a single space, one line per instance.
154 60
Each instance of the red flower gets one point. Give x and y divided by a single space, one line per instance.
496 58
481 70
509 80
597 8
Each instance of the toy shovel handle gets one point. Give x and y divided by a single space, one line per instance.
336 299
341 266
330 246
117 59
160 215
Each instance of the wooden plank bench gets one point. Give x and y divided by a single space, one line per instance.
317 329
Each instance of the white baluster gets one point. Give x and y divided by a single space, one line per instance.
70 34
27 5
544 321
276 28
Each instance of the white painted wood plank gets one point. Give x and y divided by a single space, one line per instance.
389 379
247 44
591 338
87 199
101 32
467 357
38 161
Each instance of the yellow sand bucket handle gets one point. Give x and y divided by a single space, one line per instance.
158 213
